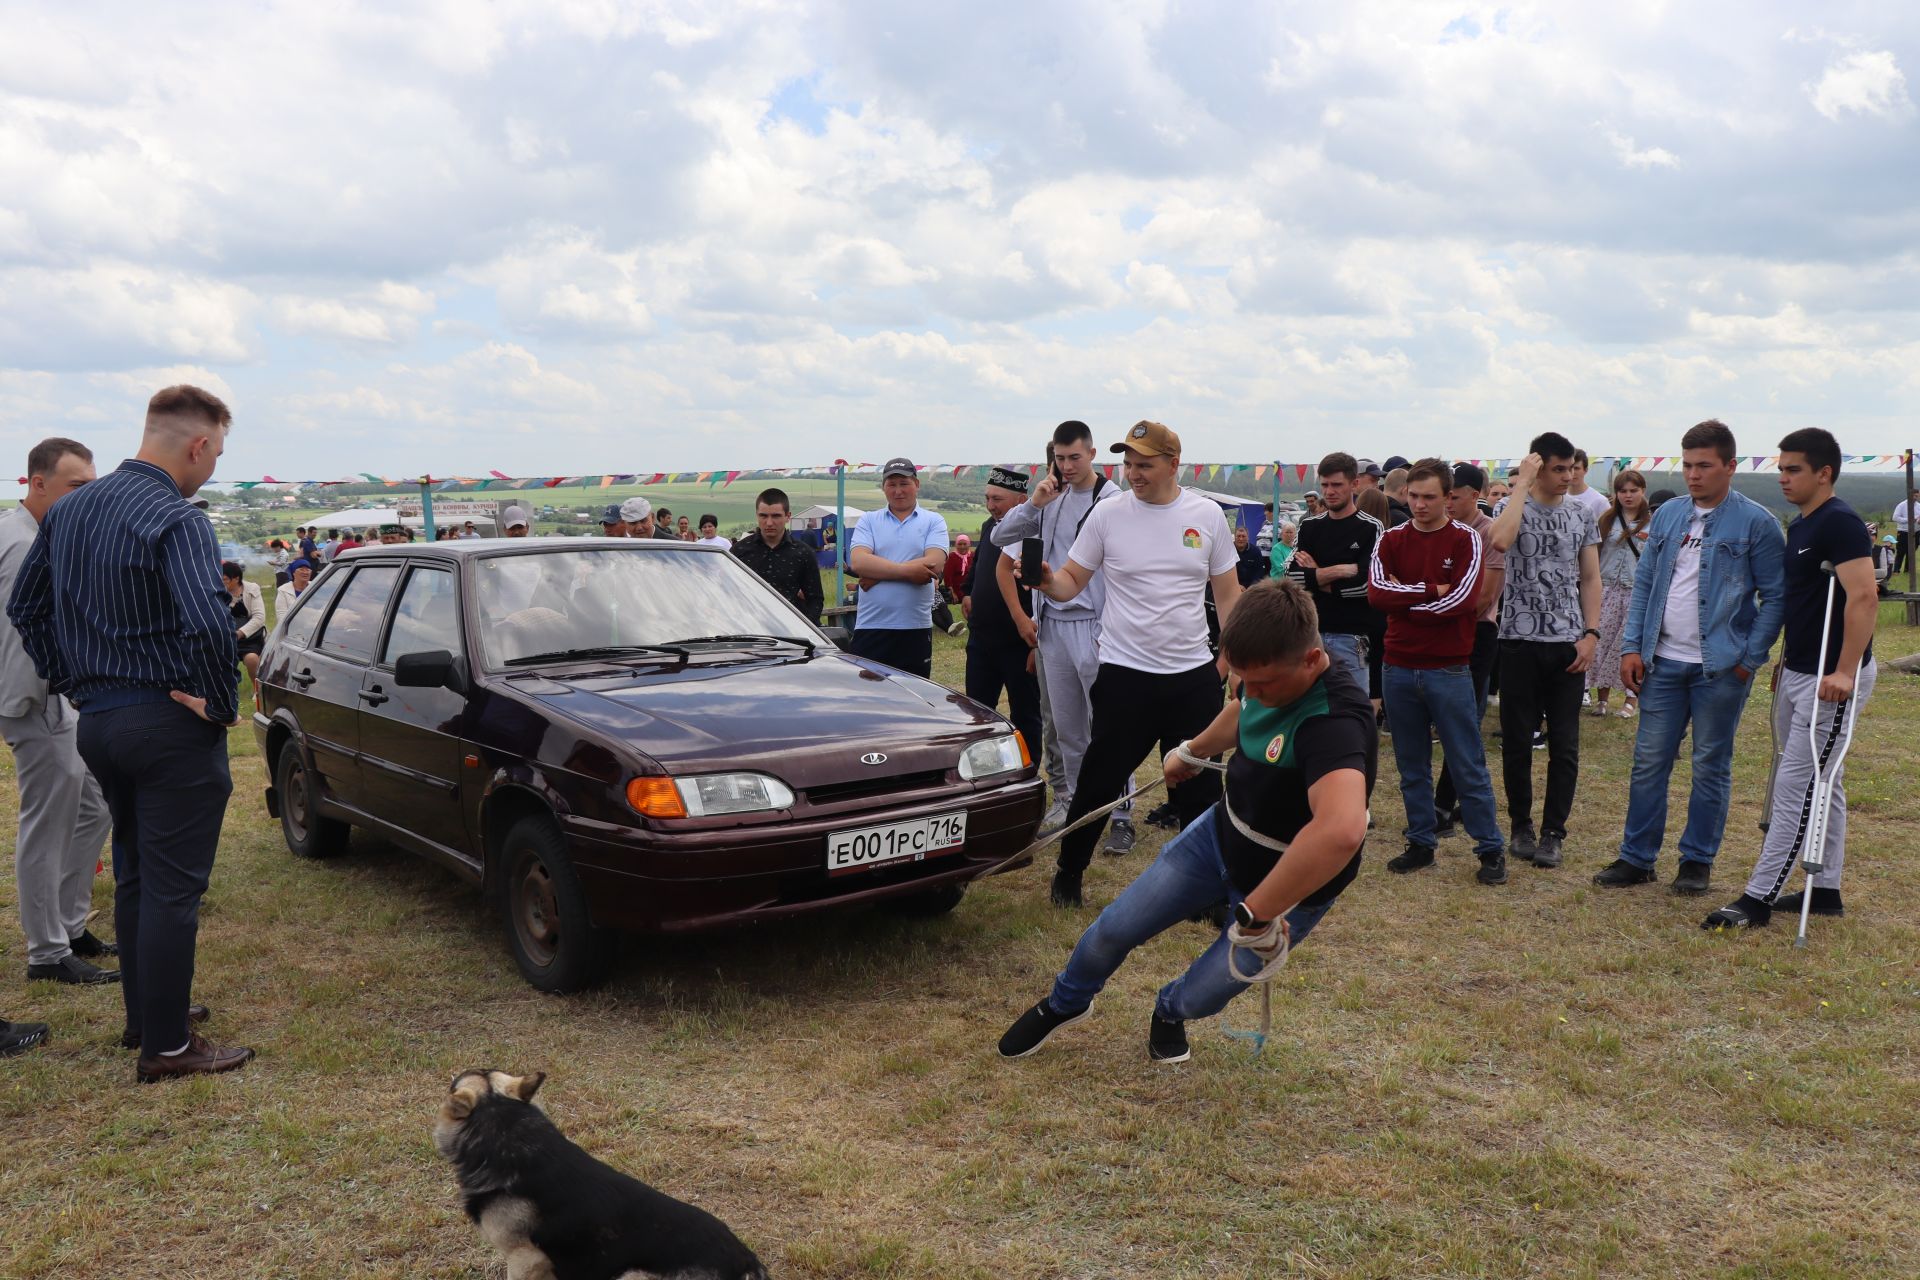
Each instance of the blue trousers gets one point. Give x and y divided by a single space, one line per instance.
163 771
1442 699
1188 877
1672 696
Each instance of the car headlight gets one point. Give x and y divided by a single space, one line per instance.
989 756
708 795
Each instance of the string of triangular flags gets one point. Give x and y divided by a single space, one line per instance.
1196 471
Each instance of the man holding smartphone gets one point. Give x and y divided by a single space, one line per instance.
1067 632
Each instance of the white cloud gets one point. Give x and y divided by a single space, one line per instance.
441 236
1869 84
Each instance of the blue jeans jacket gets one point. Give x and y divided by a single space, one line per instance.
1742 583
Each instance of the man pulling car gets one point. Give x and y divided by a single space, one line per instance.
1280 845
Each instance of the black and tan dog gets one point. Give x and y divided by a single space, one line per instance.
559 1214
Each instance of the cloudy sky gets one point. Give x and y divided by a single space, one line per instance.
565 236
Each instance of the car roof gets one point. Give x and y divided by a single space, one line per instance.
468 548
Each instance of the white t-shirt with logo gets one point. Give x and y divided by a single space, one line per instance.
1155 561
1680 622
1593 500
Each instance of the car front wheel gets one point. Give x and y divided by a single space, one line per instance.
308 834
554 941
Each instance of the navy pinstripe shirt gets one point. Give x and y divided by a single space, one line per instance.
120 598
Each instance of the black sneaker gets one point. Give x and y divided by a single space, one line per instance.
1167 1041
1412 858
1523 842
1744 912
88 947
1546 854
1619 873
1033 1027
1826 902
1066 889
1164 816
1539 739
74 971
1692 878
18 1037
1214 917
1444 825
1493 869
1119 839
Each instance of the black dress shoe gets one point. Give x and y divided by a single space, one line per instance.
196 1014
18 1037
88 947
71 969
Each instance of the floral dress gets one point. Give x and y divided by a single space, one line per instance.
1619 559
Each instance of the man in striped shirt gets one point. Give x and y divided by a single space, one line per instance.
1425 576
121 607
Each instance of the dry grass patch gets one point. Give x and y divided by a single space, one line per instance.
1543 1079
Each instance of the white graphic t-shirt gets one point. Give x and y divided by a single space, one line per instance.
1155 561
1680 621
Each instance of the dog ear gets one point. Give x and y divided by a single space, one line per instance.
460 1103
524 1087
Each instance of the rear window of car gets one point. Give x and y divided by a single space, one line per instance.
354 625
312 606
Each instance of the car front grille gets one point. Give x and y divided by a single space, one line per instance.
867 788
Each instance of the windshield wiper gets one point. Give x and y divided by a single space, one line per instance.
808 645
597 651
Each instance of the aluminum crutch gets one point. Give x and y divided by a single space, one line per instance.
1813 845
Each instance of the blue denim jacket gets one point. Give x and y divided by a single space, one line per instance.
1742 583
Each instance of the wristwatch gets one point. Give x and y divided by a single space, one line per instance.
1244 917
1590 631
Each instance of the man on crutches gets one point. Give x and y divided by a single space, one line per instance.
1827 675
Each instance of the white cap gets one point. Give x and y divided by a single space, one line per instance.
514 518
634 510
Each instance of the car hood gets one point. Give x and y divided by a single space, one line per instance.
803 719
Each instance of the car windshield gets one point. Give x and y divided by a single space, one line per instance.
610 600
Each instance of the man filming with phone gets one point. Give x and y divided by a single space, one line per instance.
1067 633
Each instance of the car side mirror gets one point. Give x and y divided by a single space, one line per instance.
433 669
841 637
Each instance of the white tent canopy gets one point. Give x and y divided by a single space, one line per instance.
812 516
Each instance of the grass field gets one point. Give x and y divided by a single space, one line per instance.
1542 1079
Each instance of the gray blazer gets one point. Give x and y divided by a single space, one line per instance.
22 691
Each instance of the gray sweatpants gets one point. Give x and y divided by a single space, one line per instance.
1058 779
63 824
1796 708
1069 663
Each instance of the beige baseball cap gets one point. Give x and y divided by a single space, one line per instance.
1155 438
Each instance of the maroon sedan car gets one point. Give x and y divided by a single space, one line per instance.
614 734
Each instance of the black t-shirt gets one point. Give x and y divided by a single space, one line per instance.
1342 605
1283 752
1832 534
990 623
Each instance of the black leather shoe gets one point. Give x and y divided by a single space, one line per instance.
88 947
196 1014
71 969
18 1037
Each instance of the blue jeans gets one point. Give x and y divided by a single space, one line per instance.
1186 879
1348 653
1443 699
1672 695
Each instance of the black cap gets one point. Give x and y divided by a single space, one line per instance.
1657 497
1468 476
1395 462
899 467
1368 467
610 514
1007 478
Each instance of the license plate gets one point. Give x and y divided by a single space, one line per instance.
865 847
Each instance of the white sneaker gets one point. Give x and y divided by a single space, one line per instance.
1586 699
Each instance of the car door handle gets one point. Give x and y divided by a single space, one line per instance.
303 678
372 697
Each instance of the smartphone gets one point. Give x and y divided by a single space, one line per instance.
1032 551
1053 466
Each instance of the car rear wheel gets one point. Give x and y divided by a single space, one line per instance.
553 938
928 903
308 834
